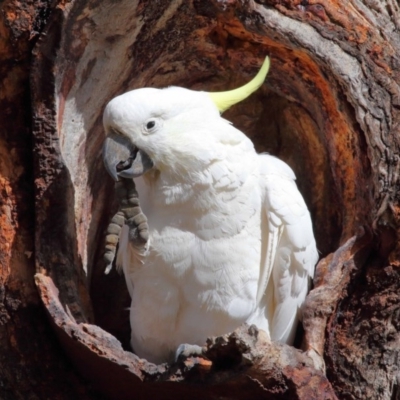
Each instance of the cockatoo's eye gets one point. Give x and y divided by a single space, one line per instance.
150 126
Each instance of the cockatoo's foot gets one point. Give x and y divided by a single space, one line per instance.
130 214
187 350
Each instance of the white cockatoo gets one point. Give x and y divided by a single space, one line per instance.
230 236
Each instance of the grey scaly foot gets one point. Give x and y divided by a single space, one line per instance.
129 213
187 350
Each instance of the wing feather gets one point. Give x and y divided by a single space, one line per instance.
274 233
292 252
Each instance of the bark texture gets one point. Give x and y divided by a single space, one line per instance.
330 108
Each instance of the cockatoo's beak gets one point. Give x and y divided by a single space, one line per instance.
123 159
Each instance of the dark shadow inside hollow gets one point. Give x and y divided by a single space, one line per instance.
110 298
277 126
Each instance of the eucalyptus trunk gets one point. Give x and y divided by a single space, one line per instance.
330 108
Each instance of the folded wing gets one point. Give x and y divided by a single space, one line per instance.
290 250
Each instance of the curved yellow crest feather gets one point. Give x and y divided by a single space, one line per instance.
224 100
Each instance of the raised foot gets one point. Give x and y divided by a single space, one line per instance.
187 350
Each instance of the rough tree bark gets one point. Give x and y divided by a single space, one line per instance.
330 108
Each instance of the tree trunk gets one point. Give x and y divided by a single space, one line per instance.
330 108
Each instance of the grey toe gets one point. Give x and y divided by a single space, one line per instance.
187 350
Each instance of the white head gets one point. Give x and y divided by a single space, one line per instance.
165 128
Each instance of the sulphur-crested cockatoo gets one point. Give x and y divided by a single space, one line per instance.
230 237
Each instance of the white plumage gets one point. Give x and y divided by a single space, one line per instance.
231 238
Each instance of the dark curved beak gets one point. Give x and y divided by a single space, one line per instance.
123 159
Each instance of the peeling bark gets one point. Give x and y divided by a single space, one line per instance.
330 108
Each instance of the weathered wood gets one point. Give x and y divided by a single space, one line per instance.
240 365
33 364
330 108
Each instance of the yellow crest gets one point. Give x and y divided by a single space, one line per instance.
224 100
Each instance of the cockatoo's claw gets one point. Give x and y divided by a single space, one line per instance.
108 269
187 350
133 215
